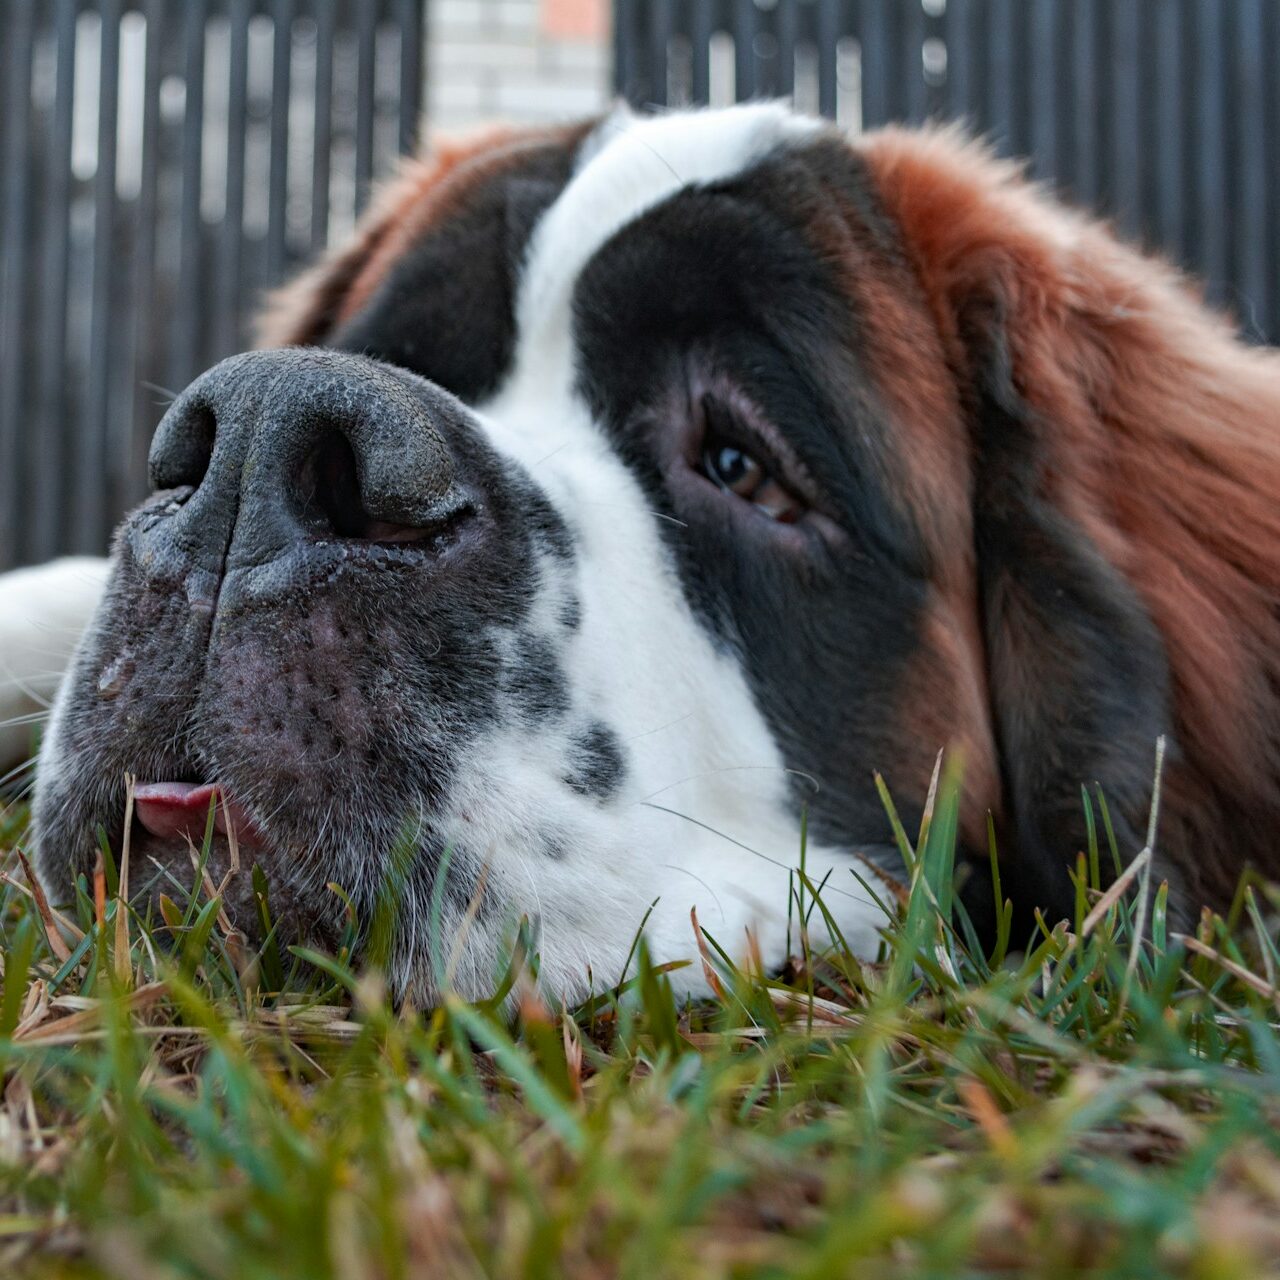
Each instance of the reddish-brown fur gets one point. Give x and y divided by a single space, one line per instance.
945 697
1165 440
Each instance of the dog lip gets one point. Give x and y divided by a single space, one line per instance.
177 809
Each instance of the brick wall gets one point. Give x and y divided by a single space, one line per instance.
524 61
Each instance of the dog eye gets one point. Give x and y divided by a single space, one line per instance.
734 470
737 472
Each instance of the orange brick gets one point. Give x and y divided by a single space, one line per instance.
573 19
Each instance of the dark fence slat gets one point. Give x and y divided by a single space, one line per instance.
47 507
878 80
322 129
765 53
746 25
1127 153
89 513
282 13
13 278
701 29
409 14
1271 113
629 50
149 326
829 33
1170 137
786 23
1085 178
998 73
186 319
1148 123
908 45
366 32
1211 142
958 32
231 230
1019 105
1044 54
1254 156
661 28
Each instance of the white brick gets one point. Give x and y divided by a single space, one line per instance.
488 59
547 100
468 34
485 55
444 14
473 98
516 15
581 59
451 124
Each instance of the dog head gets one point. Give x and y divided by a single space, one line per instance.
621 498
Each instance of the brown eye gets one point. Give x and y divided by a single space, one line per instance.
733 470
737 472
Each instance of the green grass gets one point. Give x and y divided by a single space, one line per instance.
1101 1103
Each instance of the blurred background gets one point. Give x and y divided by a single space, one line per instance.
165 161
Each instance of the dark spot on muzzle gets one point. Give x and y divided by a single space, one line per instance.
599 765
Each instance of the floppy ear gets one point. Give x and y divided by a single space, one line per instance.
1077 672
1124 461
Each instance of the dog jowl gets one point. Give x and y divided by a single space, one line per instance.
623 494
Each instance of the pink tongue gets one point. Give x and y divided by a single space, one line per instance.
170 809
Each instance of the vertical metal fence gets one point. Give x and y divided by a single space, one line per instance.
163 162
1163 114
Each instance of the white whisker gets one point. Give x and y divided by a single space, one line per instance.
675 813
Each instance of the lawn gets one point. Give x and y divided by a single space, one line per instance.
1103 1101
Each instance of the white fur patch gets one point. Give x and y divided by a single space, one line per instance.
43 612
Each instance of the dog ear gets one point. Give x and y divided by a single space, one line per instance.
1124 457
503 177
1077 671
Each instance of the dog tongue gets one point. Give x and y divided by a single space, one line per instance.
169 809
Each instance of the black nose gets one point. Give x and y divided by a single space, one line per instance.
278 448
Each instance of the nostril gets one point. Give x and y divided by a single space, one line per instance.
330 488
332 504
182 447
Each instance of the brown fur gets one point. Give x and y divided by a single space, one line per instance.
945 697
1164 440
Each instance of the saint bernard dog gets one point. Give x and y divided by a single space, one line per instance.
590 528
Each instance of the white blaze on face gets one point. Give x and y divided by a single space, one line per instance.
705 816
